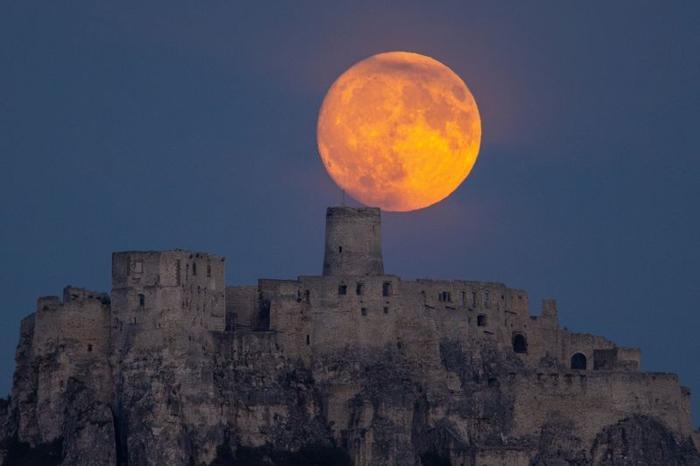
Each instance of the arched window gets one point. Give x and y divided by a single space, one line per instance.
519 343
578 361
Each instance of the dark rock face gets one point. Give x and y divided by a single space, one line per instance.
88 428
4 426
641 440
23 454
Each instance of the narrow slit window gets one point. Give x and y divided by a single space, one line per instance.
386 289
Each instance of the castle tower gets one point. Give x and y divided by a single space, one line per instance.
158 295
353 242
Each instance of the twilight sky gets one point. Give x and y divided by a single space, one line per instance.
192 125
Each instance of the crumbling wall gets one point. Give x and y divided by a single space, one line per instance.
241 307
592 400
69 340
166 309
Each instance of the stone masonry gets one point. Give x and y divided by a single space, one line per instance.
352 367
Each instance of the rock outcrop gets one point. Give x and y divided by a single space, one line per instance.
173 368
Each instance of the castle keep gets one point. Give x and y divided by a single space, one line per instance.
354 366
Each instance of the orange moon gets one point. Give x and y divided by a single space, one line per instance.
399 130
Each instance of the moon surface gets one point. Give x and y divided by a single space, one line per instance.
399 131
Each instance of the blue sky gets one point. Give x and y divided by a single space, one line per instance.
126 125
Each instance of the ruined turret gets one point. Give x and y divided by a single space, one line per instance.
353 242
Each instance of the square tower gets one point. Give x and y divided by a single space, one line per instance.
158 296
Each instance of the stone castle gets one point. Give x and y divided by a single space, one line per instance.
350 367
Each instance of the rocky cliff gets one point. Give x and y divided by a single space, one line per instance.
353 367
234 398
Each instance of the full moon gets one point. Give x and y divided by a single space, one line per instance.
399 131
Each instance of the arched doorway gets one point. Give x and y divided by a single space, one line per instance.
519 343
578 361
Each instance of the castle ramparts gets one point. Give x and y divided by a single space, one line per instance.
466 354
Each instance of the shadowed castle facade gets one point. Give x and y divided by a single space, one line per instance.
350 367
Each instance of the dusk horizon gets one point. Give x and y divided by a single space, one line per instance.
573 176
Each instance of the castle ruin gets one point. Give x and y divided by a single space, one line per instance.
354 366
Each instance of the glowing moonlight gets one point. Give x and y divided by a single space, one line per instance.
399 130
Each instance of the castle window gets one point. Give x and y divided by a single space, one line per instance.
386 310
89 348
464 298
142 299
364 311
177 271
342 289
487 298
481 320
386 289
578 361
308 339
340 249
360 289
445 297
208 271
137 266
519 343
194 268
307 295
473 298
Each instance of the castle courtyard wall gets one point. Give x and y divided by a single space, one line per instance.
593 400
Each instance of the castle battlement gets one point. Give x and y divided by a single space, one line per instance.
171 329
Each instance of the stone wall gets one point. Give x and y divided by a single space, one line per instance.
63 342
343 310
166 309
241 307
354 366
592 400
353 242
